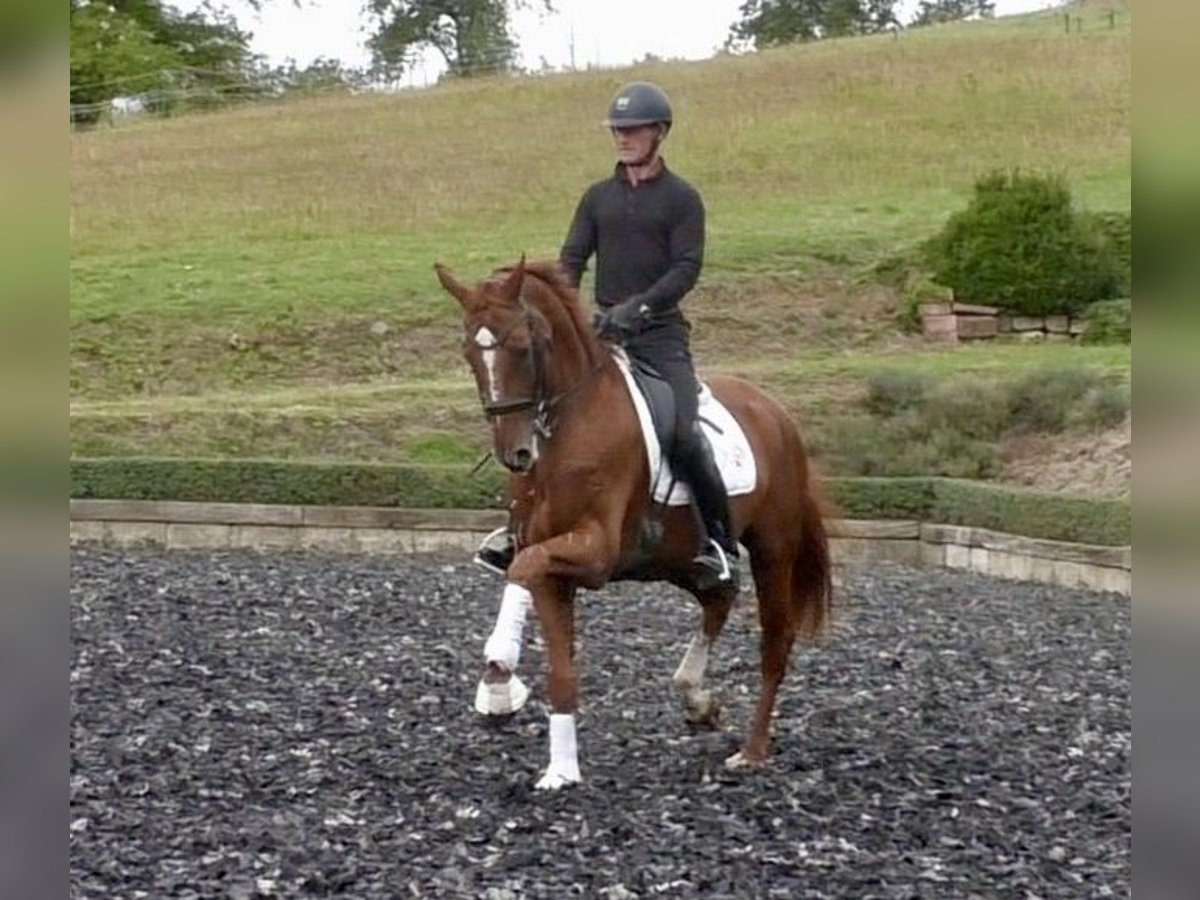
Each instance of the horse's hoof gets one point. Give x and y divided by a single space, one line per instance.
501 698
741 762
556 781
704 712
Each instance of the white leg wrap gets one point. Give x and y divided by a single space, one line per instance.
564 754
690 674
504 646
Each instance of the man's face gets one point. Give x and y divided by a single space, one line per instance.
635 144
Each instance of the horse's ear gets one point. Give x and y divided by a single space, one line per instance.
461 292
510 291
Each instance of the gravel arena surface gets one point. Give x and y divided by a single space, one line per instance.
247 725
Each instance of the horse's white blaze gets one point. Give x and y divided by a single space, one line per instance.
504 645
564 754
690 674
486 341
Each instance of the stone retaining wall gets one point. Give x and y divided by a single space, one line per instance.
952 322
377 530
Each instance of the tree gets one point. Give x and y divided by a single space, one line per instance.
770 23
471 35
112 53
930 12
121 47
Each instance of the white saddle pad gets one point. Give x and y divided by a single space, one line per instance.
731 450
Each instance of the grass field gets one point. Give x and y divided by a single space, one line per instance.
258 281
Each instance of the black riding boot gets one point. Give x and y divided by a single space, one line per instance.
497 551
720 553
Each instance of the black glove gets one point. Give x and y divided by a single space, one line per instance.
624 320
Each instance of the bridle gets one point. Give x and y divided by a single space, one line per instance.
535 356
541 400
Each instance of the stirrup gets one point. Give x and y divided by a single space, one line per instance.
714 559
496 552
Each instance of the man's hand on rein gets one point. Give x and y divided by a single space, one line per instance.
623 320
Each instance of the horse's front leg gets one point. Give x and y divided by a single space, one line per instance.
549 571
501 692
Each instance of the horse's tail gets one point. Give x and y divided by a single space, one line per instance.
812 570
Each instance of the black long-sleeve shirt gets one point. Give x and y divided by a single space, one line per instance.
648 240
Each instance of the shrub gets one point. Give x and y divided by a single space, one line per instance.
969 406
1116 232
905 445
1020 245
892 392
1103 406
913 425
1044 399
1109 322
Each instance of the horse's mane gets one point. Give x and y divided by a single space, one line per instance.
563 298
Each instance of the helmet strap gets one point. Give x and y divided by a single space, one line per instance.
653 152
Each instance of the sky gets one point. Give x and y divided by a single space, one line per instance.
602 32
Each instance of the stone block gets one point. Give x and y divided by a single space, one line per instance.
859 551
265 537
1028 323
1058 324
429 541
1077 327
135 534
1105 578
389 517
958 557
933 554
1004 323
978 559
1041 570
85 532
385 541
976 326
935 309
941 327
882 529
1067 573
975 309
189 536
330 540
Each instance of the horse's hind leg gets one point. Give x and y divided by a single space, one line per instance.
701 705
773 580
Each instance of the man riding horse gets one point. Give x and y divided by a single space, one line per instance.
645 226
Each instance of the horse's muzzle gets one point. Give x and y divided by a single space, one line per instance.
519 460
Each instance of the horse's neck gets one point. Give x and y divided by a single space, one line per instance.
577 354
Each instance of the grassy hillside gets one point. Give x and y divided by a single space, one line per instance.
259 280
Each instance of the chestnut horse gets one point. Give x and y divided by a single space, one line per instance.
565 426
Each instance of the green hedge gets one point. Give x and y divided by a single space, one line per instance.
273 481
880 498
944 500
1031 513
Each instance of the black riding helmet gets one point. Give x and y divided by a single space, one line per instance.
639 103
